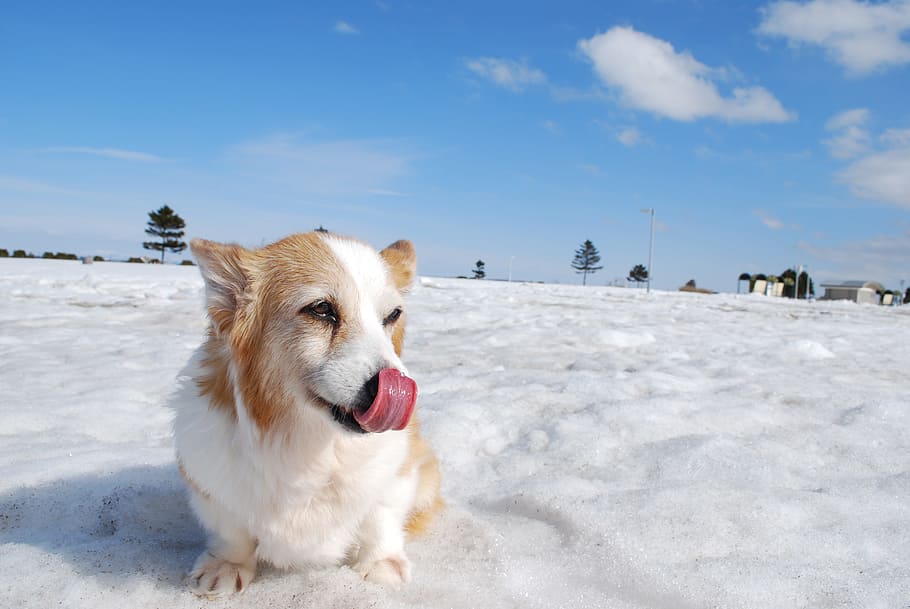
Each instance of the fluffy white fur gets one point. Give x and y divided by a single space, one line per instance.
310 491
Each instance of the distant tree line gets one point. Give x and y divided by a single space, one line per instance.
4 253
164 224
585 262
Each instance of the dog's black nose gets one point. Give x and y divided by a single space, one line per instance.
367 393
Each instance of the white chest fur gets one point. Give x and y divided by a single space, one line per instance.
303 495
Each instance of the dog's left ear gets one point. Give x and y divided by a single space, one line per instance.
402 261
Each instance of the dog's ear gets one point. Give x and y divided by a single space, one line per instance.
402 262
225 278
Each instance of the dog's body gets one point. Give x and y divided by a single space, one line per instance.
303 355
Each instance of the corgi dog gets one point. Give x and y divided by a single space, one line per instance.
298 442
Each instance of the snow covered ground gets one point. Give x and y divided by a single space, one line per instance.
600 448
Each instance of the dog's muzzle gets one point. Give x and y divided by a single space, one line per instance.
385 402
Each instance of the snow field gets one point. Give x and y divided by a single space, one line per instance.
600 448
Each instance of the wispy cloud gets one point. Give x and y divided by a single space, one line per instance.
847 118
23 185
851 138
629 137
895 137
110 153
882 258
771 222
553 127
327 168
649 74
379 192
705 152
515 75
343 27
860 36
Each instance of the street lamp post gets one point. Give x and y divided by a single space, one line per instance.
650 211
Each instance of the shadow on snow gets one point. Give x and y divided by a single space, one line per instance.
134 522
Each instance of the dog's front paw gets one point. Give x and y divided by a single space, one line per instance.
215 577
391 571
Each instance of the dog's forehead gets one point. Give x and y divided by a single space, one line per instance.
314 266
362 264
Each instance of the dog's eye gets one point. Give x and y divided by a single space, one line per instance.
392 317
322 310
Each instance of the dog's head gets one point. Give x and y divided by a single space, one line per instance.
307 322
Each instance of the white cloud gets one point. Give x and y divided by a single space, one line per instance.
553 127
848 118
860 36
851 142
111 153
343 27
706 152
896 137
630 137
851 139
650 75
882 176
594 170
772 222
507 73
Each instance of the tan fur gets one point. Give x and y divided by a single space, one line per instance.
267 277
401 260
215 382
428 502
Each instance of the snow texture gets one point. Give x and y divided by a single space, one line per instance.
599 447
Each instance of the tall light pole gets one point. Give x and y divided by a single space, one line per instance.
650 211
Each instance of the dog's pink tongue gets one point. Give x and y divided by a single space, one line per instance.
393 405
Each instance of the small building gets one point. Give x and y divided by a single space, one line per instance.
863 292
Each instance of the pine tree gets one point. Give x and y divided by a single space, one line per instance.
479 273
165 225
586 257
638 274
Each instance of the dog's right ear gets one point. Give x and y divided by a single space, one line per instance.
225 279
402 262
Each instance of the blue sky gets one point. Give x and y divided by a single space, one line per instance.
764 134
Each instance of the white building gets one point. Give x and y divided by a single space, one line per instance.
863 292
